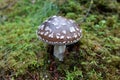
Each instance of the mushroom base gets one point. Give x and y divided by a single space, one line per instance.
59 51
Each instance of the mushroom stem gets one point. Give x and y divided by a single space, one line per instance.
59 51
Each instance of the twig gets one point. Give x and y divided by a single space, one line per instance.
31 75
87 13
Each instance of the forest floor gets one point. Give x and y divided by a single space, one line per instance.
95 57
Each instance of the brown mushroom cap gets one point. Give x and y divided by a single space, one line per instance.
59 30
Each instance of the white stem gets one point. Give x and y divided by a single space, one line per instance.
59 51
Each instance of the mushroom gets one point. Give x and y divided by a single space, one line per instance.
59 32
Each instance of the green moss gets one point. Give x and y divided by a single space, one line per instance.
95 57
20 48
71 15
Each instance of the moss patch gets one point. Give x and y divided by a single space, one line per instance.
95 57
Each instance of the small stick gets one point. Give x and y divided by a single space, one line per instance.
87 13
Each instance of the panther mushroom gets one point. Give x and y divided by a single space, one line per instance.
59 31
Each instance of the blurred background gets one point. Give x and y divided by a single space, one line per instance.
95 57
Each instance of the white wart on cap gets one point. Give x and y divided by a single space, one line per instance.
59 30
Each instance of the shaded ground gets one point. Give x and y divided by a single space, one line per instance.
95 57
